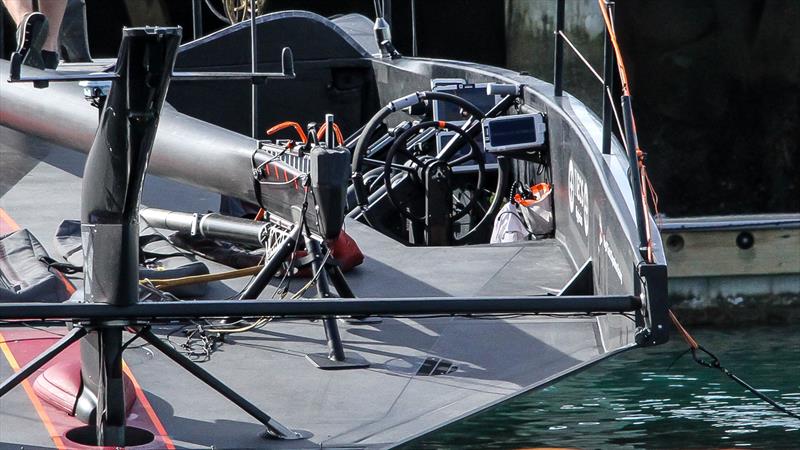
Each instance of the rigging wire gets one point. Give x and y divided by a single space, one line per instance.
606 90
640 154
378 4
580 56
695 348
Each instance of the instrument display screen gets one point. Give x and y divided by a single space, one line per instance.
523 131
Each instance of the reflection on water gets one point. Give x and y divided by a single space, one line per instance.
636 401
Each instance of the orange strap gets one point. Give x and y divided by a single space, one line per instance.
336 131
623 75
288 124
686 336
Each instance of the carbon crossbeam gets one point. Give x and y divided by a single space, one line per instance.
318 308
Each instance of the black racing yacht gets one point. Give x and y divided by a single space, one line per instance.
403 242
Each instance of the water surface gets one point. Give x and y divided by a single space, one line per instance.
635 400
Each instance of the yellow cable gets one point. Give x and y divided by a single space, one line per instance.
194 279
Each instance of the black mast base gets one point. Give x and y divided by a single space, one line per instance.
351 361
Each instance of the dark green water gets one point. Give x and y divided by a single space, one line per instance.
635 401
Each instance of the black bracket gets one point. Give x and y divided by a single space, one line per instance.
655 305
336 358
438 195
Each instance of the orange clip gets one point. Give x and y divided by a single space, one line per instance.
260 215
288 124
336 131
538 193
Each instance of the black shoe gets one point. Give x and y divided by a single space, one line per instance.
31 34
50 59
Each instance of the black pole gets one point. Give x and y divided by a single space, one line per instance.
271 267
110 414
633 160
335 347
274 428
340 282
558 69
163 311
330 136
253 69
387 11
2 33
414 48
112 181
197 19
608 87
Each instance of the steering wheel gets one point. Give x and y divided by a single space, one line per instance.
416 166
411 167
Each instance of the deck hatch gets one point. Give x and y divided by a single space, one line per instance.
436 366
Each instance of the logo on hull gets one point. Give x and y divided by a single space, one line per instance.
578 198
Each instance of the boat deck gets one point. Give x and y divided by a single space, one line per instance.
408 389
394 270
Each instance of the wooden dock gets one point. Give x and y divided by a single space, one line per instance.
727 269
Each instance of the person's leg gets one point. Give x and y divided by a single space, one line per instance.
31 34
54 10
17 9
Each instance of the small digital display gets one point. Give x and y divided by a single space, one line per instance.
520 132
512 131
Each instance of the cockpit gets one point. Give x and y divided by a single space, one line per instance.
433 157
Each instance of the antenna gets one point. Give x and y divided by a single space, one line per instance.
382 29
414 28
558 59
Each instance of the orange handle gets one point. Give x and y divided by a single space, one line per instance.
336 130
288 124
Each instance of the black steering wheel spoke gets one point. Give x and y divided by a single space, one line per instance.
373 162
402 162
461 160
410 155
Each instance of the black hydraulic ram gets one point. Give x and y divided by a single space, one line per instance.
577 304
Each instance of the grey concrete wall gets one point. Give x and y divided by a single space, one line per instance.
742 299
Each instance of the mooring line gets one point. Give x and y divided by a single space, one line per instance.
714 363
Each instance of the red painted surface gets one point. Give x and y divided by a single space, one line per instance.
25 344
